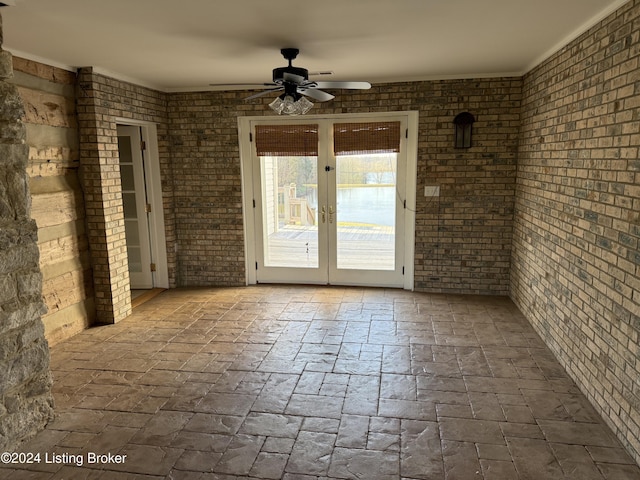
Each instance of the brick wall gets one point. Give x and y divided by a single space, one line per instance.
463 237
207 188
101 100
576 262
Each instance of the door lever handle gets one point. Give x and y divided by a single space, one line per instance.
323 213
331 212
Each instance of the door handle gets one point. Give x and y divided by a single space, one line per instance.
323 212
331 212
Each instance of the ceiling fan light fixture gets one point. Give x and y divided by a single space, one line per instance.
277 105
287 104
295 83
303 105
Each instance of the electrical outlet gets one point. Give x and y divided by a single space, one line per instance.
432 191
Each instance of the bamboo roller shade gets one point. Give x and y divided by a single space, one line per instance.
348 139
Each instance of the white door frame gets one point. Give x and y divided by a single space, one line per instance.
247 172
151 158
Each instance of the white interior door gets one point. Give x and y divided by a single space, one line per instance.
328 201
136 207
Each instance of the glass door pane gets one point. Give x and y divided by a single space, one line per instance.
134 205
290 211
366 211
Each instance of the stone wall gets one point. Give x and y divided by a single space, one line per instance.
463 237
26 404
576 258
57 201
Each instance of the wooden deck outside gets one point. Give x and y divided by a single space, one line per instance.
359 247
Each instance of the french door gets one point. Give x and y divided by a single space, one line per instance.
329 200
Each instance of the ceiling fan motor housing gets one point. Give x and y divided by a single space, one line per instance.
278 73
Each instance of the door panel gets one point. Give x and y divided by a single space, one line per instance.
134 201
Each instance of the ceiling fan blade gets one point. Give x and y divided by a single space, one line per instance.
262 93
316 94
350 85
243 84
293 78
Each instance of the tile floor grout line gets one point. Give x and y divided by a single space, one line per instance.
199 398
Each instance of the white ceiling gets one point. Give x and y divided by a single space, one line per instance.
185 45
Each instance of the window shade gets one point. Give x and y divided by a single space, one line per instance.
363 138
287 140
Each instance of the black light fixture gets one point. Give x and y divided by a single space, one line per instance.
463 126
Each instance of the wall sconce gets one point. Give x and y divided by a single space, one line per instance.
463 125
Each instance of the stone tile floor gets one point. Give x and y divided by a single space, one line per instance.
300 383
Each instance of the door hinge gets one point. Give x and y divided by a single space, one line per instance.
153 267
403 270
256 265
147 208
250 137
405 204
143 145
406 133
254 203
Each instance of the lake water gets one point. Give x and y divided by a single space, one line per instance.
373 205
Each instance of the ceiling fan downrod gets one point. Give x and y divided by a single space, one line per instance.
282 73
289 54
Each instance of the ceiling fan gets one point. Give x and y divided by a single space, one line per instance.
295 84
